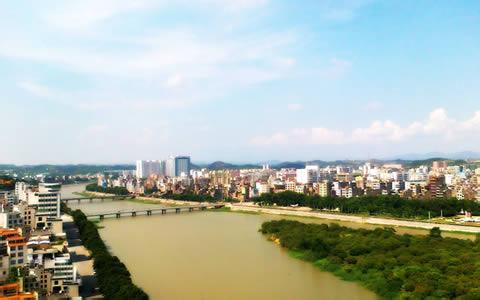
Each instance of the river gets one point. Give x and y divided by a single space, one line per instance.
213 255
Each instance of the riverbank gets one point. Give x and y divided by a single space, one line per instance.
81 259
355 219
302 212
112 276
144 200
393 266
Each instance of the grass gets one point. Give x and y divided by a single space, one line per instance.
83 194
228 209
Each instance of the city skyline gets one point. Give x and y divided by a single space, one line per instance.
237 81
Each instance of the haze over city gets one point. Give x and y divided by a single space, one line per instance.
240 81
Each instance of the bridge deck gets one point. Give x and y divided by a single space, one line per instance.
162 210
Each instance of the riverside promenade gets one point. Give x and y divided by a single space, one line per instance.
357 219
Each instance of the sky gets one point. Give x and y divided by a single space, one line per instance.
114 81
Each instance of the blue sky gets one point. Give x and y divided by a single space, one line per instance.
237 80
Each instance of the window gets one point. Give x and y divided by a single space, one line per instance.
20 261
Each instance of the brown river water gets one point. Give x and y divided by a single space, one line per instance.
214 255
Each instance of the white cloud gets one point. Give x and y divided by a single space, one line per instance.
36 89
295 106
157 64
79 15
174 81
84 15
437 125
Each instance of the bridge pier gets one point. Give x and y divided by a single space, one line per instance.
118 215
91 200
149 212
203 208
190 209
164 211
134 213
101 217
78 201
177 210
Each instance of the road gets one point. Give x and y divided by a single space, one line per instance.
357 219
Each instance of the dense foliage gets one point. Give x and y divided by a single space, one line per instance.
7 183
121 191
394 266
375 205
190 197
113 277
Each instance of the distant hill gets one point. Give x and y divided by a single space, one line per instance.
220 165
429 156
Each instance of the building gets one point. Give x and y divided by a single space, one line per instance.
16 247
10 218
325 189
14 291
170 167
4 261
21 191
182 166
47 203
28 215
306 176
9 196
64 275
262 188
436 186
146 168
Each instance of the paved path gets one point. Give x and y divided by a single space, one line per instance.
356 219
81 259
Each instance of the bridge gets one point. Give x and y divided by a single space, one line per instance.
149 212
90 199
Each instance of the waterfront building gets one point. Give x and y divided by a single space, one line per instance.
64 274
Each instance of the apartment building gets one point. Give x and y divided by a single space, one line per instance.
47 203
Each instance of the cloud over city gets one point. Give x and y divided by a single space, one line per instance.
437 124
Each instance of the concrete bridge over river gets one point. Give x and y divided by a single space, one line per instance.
151 211
92 198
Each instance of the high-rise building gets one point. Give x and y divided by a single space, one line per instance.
170 167
182 166
146 168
